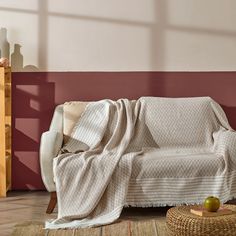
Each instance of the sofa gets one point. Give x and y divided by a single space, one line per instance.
192 154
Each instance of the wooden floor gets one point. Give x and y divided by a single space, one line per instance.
23 206
18 207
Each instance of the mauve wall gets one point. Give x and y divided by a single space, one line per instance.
35 96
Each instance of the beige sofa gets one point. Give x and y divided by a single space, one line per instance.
66 115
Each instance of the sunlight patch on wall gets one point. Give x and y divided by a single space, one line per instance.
212 15
189 51
31 130
92 45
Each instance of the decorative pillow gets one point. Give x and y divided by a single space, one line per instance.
72 111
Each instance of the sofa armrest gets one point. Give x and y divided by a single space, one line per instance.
225 143
50 145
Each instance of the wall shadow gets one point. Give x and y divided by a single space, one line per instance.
29 178
32 108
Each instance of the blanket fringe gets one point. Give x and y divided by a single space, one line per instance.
157 204
145 205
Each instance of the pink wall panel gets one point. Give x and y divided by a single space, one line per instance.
36 94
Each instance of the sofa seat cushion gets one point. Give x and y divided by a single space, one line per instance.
176 163
161 178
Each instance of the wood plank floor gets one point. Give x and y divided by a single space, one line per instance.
18 207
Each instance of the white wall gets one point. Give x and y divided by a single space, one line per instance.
124 35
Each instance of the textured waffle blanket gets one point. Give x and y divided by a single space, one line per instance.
108 161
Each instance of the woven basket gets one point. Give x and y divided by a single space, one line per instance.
181 222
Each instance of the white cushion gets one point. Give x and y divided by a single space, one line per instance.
71 114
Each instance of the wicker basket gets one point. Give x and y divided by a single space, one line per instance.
181 222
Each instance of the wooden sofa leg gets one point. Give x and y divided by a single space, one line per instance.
52 203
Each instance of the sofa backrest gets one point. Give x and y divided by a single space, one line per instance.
182 122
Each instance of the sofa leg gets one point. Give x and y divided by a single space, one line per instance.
52 203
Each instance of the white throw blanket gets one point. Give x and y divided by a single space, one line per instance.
92 175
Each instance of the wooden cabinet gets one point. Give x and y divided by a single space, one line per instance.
5 130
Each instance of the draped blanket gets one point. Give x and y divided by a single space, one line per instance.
93 171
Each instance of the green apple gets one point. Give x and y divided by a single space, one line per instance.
212 203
